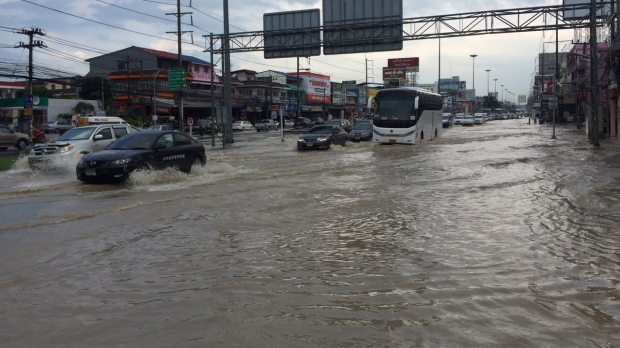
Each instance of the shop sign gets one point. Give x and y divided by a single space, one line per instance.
163 110
317 88
274 107
316 109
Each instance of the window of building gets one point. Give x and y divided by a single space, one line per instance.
53 87
121 66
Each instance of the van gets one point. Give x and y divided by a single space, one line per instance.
97 120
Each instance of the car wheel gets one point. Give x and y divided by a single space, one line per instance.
269 129
197 162
57 131
144 167
242 129
21 144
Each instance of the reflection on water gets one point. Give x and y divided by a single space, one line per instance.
491 236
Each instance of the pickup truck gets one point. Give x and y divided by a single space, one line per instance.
75 143
267 125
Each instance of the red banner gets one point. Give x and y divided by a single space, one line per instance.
411 64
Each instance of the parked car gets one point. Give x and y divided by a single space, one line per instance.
266 125
322 137
361 131
9 137
345 124
77 142
468 120
57 127
302 122
288 123
242 125
148 150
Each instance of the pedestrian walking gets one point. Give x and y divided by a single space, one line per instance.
529 120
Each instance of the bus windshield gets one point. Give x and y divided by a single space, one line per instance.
395 111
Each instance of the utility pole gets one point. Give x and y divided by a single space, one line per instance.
594 74
557 74
179 33
30 45
439 73
366 87
298 91
228 134
213 121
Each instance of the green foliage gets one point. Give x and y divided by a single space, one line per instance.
65 116
39 91
6 163
490 102
132 121
83 105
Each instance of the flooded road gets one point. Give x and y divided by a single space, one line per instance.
490 236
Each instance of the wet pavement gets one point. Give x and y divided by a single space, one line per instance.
492 235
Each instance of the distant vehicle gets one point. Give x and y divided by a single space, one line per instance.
160 127
9 137
302 122
406 115
361 131
447 119
242 125
77 142
322 137
458 118
96 120
468 120
478 118
317 120
288 123
571 118
57 127
345 124
266 125
148 150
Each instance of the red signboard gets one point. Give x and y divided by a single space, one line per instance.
394 74
411 64
547 88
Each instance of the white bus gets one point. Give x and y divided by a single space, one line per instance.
406 115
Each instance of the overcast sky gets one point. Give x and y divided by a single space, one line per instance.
510 57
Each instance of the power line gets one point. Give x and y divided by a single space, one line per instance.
102 23
210 16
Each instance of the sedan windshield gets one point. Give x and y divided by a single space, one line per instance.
81 133
135 141
321 130
362 126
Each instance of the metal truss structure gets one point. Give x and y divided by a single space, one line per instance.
516 20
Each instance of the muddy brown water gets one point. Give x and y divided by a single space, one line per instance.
491 236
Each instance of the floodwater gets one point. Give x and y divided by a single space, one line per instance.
490 236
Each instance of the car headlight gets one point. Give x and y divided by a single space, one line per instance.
300 140
322 139
65 149
121 162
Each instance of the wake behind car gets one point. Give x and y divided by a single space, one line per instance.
147 150
322 137
361 131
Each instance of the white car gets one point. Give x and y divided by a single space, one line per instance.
458 118
242 125
468 120
288 124
478 118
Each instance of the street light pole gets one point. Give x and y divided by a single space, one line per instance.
495 88
473 79
502 93
155 92
488 91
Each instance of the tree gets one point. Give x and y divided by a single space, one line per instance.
39 91
83 105
91 89
490 102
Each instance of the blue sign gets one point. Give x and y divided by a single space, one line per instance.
28 118
28 101
84 112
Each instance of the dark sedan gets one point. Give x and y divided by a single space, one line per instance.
322 137
147 150
302 122
361 131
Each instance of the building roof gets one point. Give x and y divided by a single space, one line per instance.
293 76
252 72
163 54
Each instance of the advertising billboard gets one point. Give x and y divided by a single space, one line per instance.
547 87
394 74
317 87
410 64
449 85
493 94
466 95
463 85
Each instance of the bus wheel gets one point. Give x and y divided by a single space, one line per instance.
422 135
435 132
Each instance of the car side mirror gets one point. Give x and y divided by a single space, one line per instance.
98 137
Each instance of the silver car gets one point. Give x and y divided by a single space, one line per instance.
9 137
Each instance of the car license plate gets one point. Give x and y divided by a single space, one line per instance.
309 144
91 172
392 141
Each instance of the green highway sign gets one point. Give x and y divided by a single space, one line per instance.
176 79
349 83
